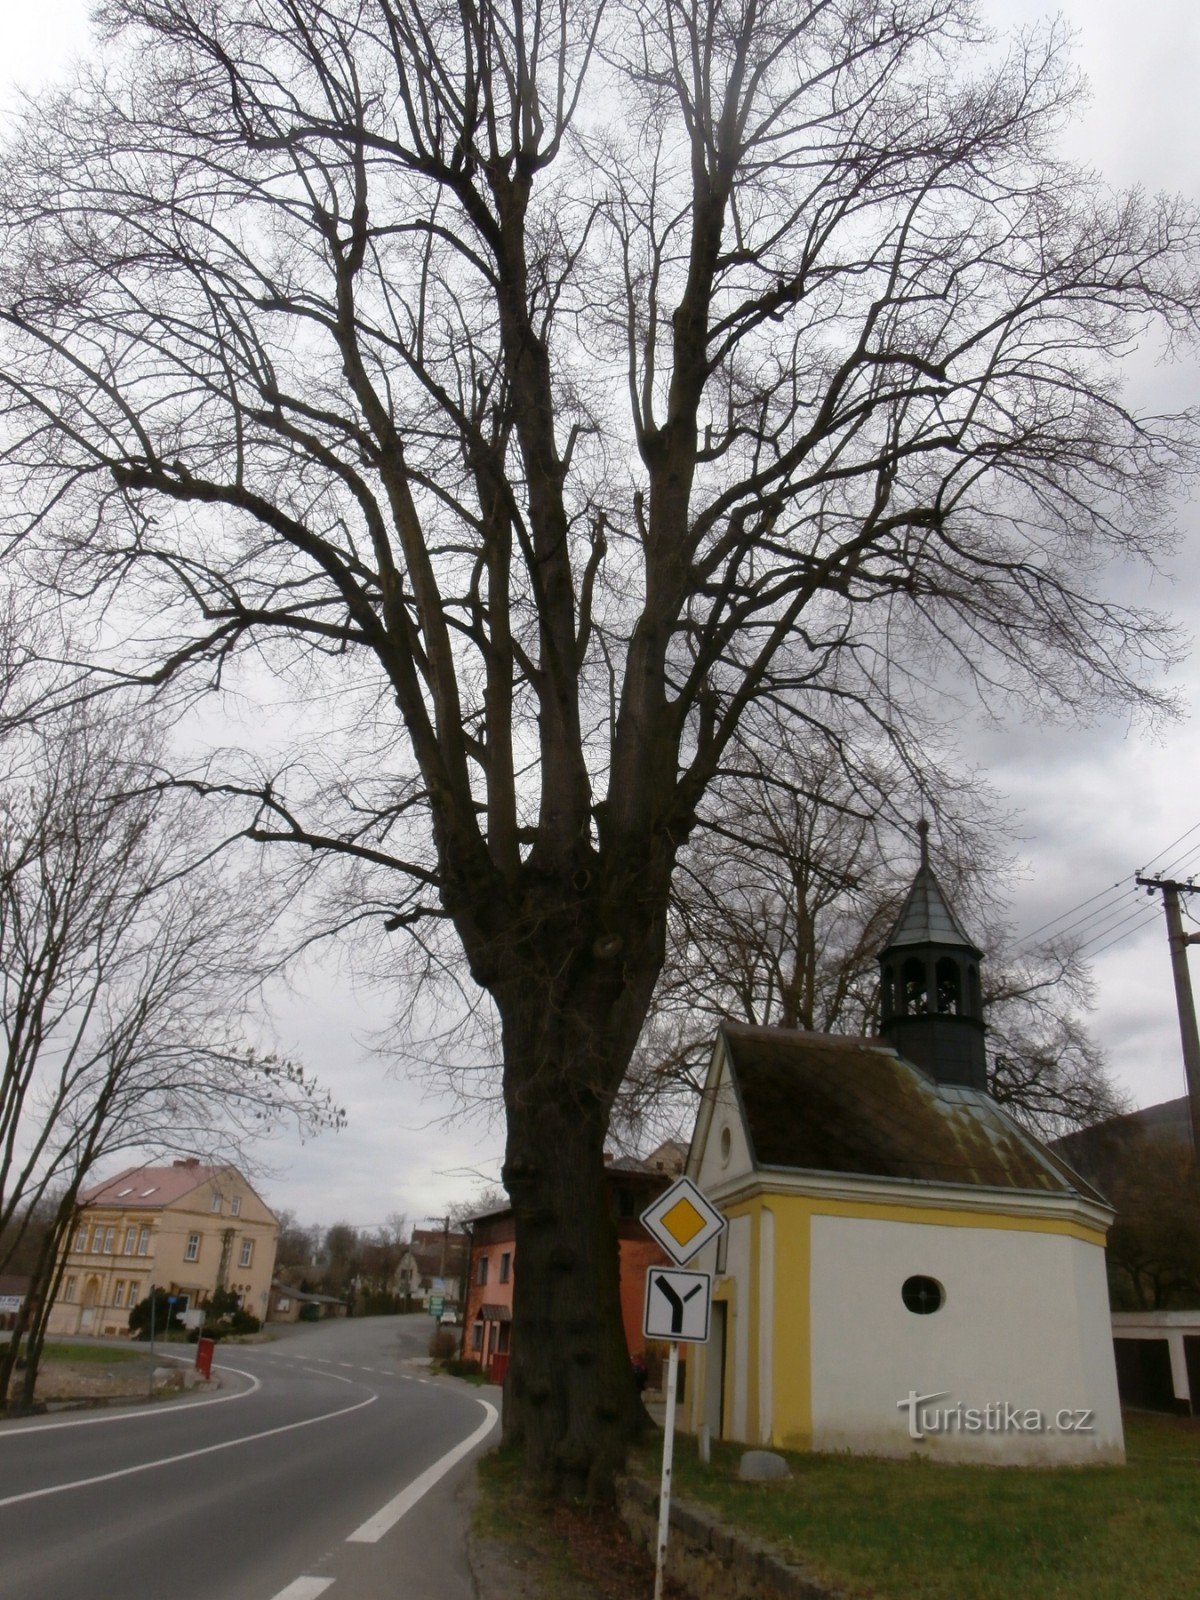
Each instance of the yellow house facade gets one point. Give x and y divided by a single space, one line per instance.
188 1228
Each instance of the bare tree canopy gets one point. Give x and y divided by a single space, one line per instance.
127 970
574 383
782 902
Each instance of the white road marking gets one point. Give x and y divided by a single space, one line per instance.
374 1528
139 1415
186 1455
304 1589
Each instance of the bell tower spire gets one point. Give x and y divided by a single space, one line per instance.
931 1002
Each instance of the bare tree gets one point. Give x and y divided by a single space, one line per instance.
781 906
564 384
125 973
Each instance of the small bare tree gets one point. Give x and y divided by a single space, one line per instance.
125 975
564 384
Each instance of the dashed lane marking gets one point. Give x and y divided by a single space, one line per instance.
307 1588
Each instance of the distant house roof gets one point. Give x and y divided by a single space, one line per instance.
149 1188
668 1158
1097 1150
427 1246
826 1104
287 1291
926 917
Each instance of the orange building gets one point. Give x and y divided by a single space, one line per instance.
487 1314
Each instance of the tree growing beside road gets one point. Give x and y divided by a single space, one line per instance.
568 389
125 972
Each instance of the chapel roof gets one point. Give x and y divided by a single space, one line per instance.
926 916
827 1103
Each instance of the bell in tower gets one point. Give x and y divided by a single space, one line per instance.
930 1000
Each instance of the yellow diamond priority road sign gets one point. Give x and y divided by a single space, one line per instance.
682 1220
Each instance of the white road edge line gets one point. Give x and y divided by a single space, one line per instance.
304 1589
186 1455
141 1413
374 1528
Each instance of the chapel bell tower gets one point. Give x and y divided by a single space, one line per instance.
930 1000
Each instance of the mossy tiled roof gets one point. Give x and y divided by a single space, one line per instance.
820 1103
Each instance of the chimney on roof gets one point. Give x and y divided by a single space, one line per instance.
187 1161
608 1155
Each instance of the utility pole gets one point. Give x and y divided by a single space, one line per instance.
1189 1036
445 1222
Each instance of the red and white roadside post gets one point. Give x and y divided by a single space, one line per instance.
677 1309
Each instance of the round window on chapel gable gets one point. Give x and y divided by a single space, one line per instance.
923 1296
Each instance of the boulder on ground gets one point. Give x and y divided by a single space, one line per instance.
760 1466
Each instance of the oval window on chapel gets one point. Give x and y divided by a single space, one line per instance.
923 1296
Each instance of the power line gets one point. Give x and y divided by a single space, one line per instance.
1101 912
1032 935
1190 854
1185 835
1143 922
1088 923
1112 925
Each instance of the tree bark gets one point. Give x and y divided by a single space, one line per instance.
570 1401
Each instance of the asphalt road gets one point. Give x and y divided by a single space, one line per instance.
328 1464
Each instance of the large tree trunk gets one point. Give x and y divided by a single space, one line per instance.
570 1400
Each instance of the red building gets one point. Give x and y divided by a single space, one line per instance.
487 1316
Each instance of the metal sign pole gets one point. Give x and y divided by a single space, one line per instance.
664 1491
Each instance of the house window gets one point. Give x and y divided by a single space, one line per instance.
247 1253
477 1337
216 1203
192 1253
135 1292
81 1238
69 1288
97 1240
923 1296
110 1235
119 1292
505 1266
482 1270
143 1241
130 1242
235 1205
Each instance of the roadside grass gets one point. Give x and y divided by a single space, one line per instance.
99 1355
913 1530
527 1548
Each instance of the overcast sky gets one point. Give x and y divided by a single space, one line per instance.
1093 805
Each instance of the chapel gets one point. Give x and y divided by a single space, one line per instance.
906 1269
